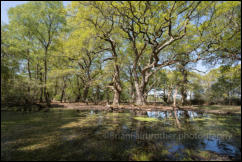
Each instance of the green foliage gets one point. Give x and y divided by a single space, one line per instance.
82 50
221 85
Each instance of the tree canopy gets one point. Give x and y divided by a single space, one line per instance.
119 51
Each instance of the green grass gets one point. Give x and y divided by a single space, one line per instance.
42 136
146 119
62 135
221 108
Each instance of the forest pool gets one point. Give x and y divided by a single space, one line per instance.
123 135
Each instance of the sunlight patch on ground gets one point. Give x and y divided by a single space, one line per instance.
34 147
147 119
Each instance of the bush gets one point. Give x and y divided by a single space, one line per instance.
197 101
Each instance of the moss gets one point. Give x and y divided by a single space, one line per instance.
146 119
187 159
33 147
205 155
222 108
171 129
142 157
201 119
83 122
164 152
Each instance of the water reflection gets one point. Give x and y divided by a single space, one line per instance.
168 114
176 117
131 135
183 130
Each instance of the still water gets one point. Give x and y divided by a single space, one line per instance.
126 135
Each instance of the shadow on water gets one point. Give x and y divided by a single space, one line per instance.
126 135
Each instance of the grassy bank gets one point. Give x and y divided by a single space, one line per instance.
216 109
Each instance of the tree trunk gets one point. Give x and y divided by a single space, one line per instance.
78 97
140 88
56 87
133 96
116 76
174 97
140 100
41 88
116 97
97 94
146 97
116 85
29 69
177 120
45 80
184 95
169 96
132 88
85 93
164 96
184 83
63 90
132 93
29 72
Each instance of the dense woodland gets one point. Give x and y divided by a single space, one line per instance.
120 52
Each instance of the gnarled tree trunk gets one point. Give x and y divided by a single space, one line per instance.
116 97
140 98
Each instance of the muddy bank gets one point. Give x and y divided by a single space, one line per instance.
83 106
158 107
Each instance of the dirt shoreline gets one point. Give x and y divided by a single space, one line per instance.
218 109
83 106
